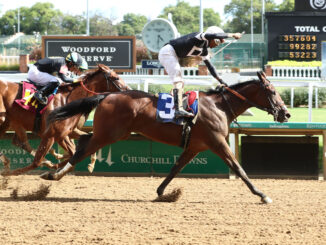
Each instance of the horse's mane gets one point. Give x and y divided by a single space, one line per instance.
92 73
234 86
88 75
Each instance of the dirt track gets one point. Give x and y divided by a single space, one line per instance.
112 210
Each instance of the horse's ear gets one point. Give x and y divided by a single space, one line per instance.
260 76
100 66
263 74
104 67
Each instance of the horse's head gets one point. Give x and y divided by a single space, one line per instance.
271 100
103 79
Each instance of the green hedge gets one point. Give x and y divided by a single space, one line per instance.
301 97
9 67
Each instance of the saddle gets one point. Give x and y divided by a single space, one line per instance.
27 100
165 112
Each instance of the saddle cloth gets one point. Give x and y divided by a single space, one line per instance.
28 102
165 107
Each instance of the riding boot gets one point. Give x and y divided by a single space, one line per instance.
179 111
42 94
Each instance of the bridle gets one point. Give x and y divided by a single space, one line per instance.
272 109
108 80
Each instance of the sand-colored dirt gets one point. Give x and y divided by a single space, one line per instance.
114 210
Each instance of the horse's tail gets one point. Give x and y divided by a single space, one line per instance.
81 106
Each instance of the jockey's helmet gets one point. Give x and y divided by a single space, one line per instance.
77 60
215 29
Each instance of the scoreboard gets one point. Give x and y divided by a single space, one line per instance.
303 47
295 35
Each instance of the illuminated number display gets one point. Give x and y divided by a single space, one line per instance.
297 47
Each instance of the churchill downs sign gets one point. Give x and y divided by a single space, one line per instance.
117 52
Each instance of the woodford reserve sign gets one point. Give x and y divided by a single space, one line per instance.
117 52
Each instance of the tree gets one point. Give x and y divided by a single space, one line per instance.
7 23
41 17
286 6
101 26
186 18
132 24
240 12
73 24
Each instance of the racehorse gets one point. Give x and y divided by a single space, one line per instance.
119 114
103 79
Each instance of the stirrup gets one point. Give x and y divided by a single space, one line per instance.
183 113
40 98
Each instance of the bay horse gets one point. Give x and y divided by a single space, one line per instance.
119 114
102 79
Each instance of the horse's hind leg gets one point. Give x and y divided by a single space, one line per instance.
228 157
67 154
182 161
77 133
91 165
57 156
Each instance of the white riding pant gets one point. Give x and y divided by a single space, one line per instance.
169 59
39 77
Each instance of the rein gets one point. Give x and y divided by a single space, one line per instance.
107 82
268 110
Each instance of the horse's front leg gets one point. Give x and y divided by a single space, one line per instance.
87 145
182 161
42 150
5 161
223 150
20 140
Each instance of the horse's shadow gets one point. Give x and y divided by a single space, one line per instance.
72 200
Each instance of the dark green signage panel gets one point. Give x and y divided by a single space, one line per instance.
123 156
144 156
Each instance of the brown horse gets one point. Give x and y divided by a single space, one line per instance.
103 79
119 114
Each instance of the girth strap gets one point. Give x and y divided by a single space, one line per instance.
186 133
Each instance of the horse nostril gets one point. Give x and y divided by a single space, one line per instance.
288 115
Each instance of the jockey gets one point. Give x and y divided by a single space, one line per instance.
45 71
193 44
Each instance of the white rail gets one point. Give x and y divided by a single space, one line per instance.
295 72
9 60
186 71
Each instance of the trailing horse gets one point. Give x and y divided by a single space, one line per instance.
119 114
103 79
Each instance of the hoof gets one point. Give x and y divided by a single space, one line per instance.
90 168
266 200
47 176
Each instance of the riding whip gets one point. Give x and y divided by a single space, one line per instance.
233 41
